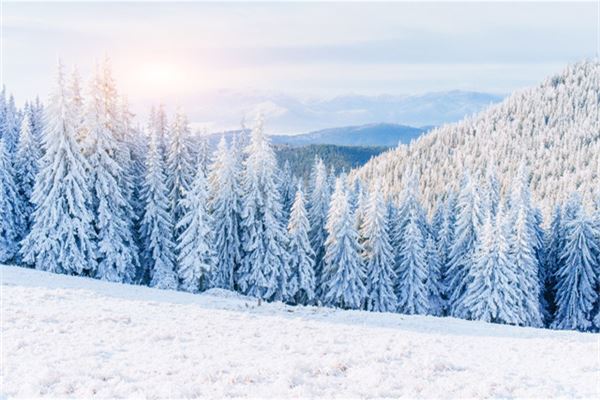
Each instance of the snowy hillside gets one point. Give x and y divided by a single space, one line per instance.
67 336
553 128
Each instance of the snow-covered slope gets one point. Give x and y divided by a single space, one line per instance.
553 128
64 336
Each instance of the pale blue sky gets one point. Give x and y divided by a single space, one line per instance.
183 52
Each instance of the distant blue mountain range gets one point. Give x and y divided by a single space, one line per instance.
365 135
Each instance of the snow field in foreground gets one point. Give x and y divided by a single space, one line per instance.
64 336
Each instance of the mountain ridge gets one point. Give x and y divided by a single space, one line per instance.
551 128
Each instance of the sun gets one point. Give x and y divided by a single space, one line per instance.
161 77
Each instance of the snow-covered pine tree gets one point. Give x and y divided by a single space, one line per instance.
435 285
202 155
408 208
445 241
490 294
576 278
264 271
287 187
157 226
180 167
195 254
61 238
117 251
225 209
318 207
468 220
523 241
302 256
11 216
411 267
9 126
160 126
554 249
135 142
343 273
492 190
26 168
378 255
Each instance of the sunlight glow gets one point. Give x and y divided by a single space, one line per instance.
161 77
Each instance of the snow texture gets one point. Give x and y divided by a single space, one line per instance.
67 336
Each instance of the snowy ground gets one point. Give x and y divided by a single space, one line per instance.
73 337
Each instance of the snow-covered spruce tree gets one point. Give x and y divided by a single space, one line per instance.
492 190
117 251
576 278
343 273
410 257
491 294
378 255
468 220
225 209
445 241
523 241
118 119
9 126
195 255
435 287
554 249
180 167
26 167
157 226
11 216
287 187
61 238
318 207
412 268
264 271
135 142
302 256
408 208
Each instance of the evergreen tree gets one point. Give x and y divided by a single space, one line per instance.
302 256
9 126
180 169
26 167
412 268
225 208
445 242
435 286
10 214
343 274
468 221
157 225
523 242
116 249
287 188
554 249
576 278
319 199
264 270
378 255
196 259
490 294
492 190
61 238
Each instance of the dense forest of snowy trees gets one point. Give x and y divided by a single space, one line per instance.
553 129
83 192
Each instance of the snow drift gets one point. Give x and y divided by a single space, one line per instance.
66 336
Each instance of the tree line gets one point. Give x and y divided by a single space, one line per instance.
83 191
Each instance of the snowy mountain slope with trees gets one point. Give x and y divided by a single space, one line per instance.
67 336
553 128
